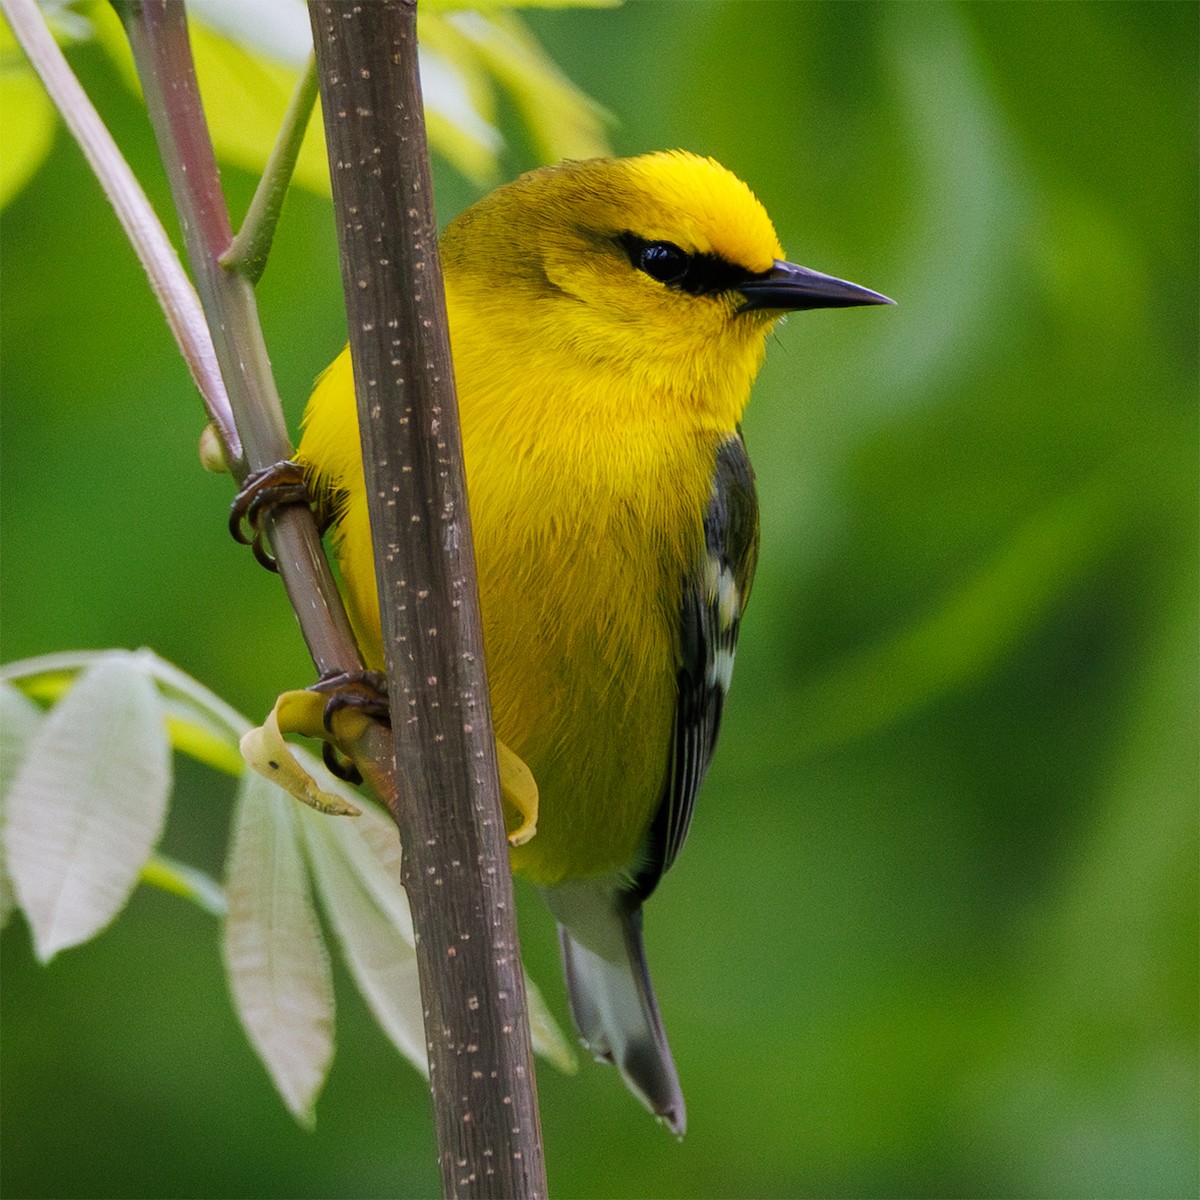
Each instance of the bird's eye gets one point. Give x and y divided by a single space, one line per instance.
697 274
663 261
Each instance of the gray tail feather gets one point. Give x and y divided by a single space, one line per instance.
617 1016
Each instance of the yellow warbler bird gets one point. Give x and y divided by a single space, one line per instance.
607 319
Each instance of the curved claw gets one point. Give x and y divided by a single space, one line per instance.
364 692
265 490
339 766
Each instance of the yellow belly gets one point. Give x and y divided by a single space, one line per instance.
581 562
580 643
582 672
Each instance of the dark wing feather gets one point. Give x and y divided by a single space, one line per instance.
714 595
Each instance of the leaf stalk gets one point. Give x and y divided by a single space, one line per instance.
247 253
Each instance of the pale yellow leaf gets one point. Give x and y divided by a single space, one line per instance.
20 719
274 952
87 804
377 946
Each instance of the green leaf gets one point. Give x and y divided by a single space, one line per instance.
245 97
29 118
273 947
460 102
500 5
87 804
182 880
562 121
248 65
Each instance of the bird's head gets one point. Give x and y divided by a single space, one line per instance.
667 259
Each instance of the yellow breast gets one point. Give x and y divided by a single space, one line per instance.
581 552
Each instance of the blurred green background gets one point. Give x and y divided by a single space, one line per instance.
935 931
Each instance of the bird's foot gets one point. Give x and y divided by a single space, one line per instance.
360 692
263 492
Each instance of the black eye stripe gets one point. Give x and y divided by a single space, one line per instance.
697 274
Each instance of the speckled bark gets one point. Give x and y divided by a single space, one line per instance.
456 856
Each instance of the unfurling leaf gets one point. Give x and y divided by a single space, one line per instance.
274 951
87 804
520 792
265 750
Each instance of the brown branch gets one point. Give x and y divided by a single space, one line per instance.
456 856
158 36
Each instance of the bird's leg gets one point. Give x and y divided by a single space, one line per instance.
265 490
363 692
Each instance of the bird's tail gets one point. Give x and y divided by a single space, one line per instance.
613 1004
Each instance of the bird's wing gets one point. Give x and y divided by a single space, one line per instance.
714 596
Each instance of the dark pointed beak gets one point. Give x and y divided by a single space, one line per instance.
790 288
